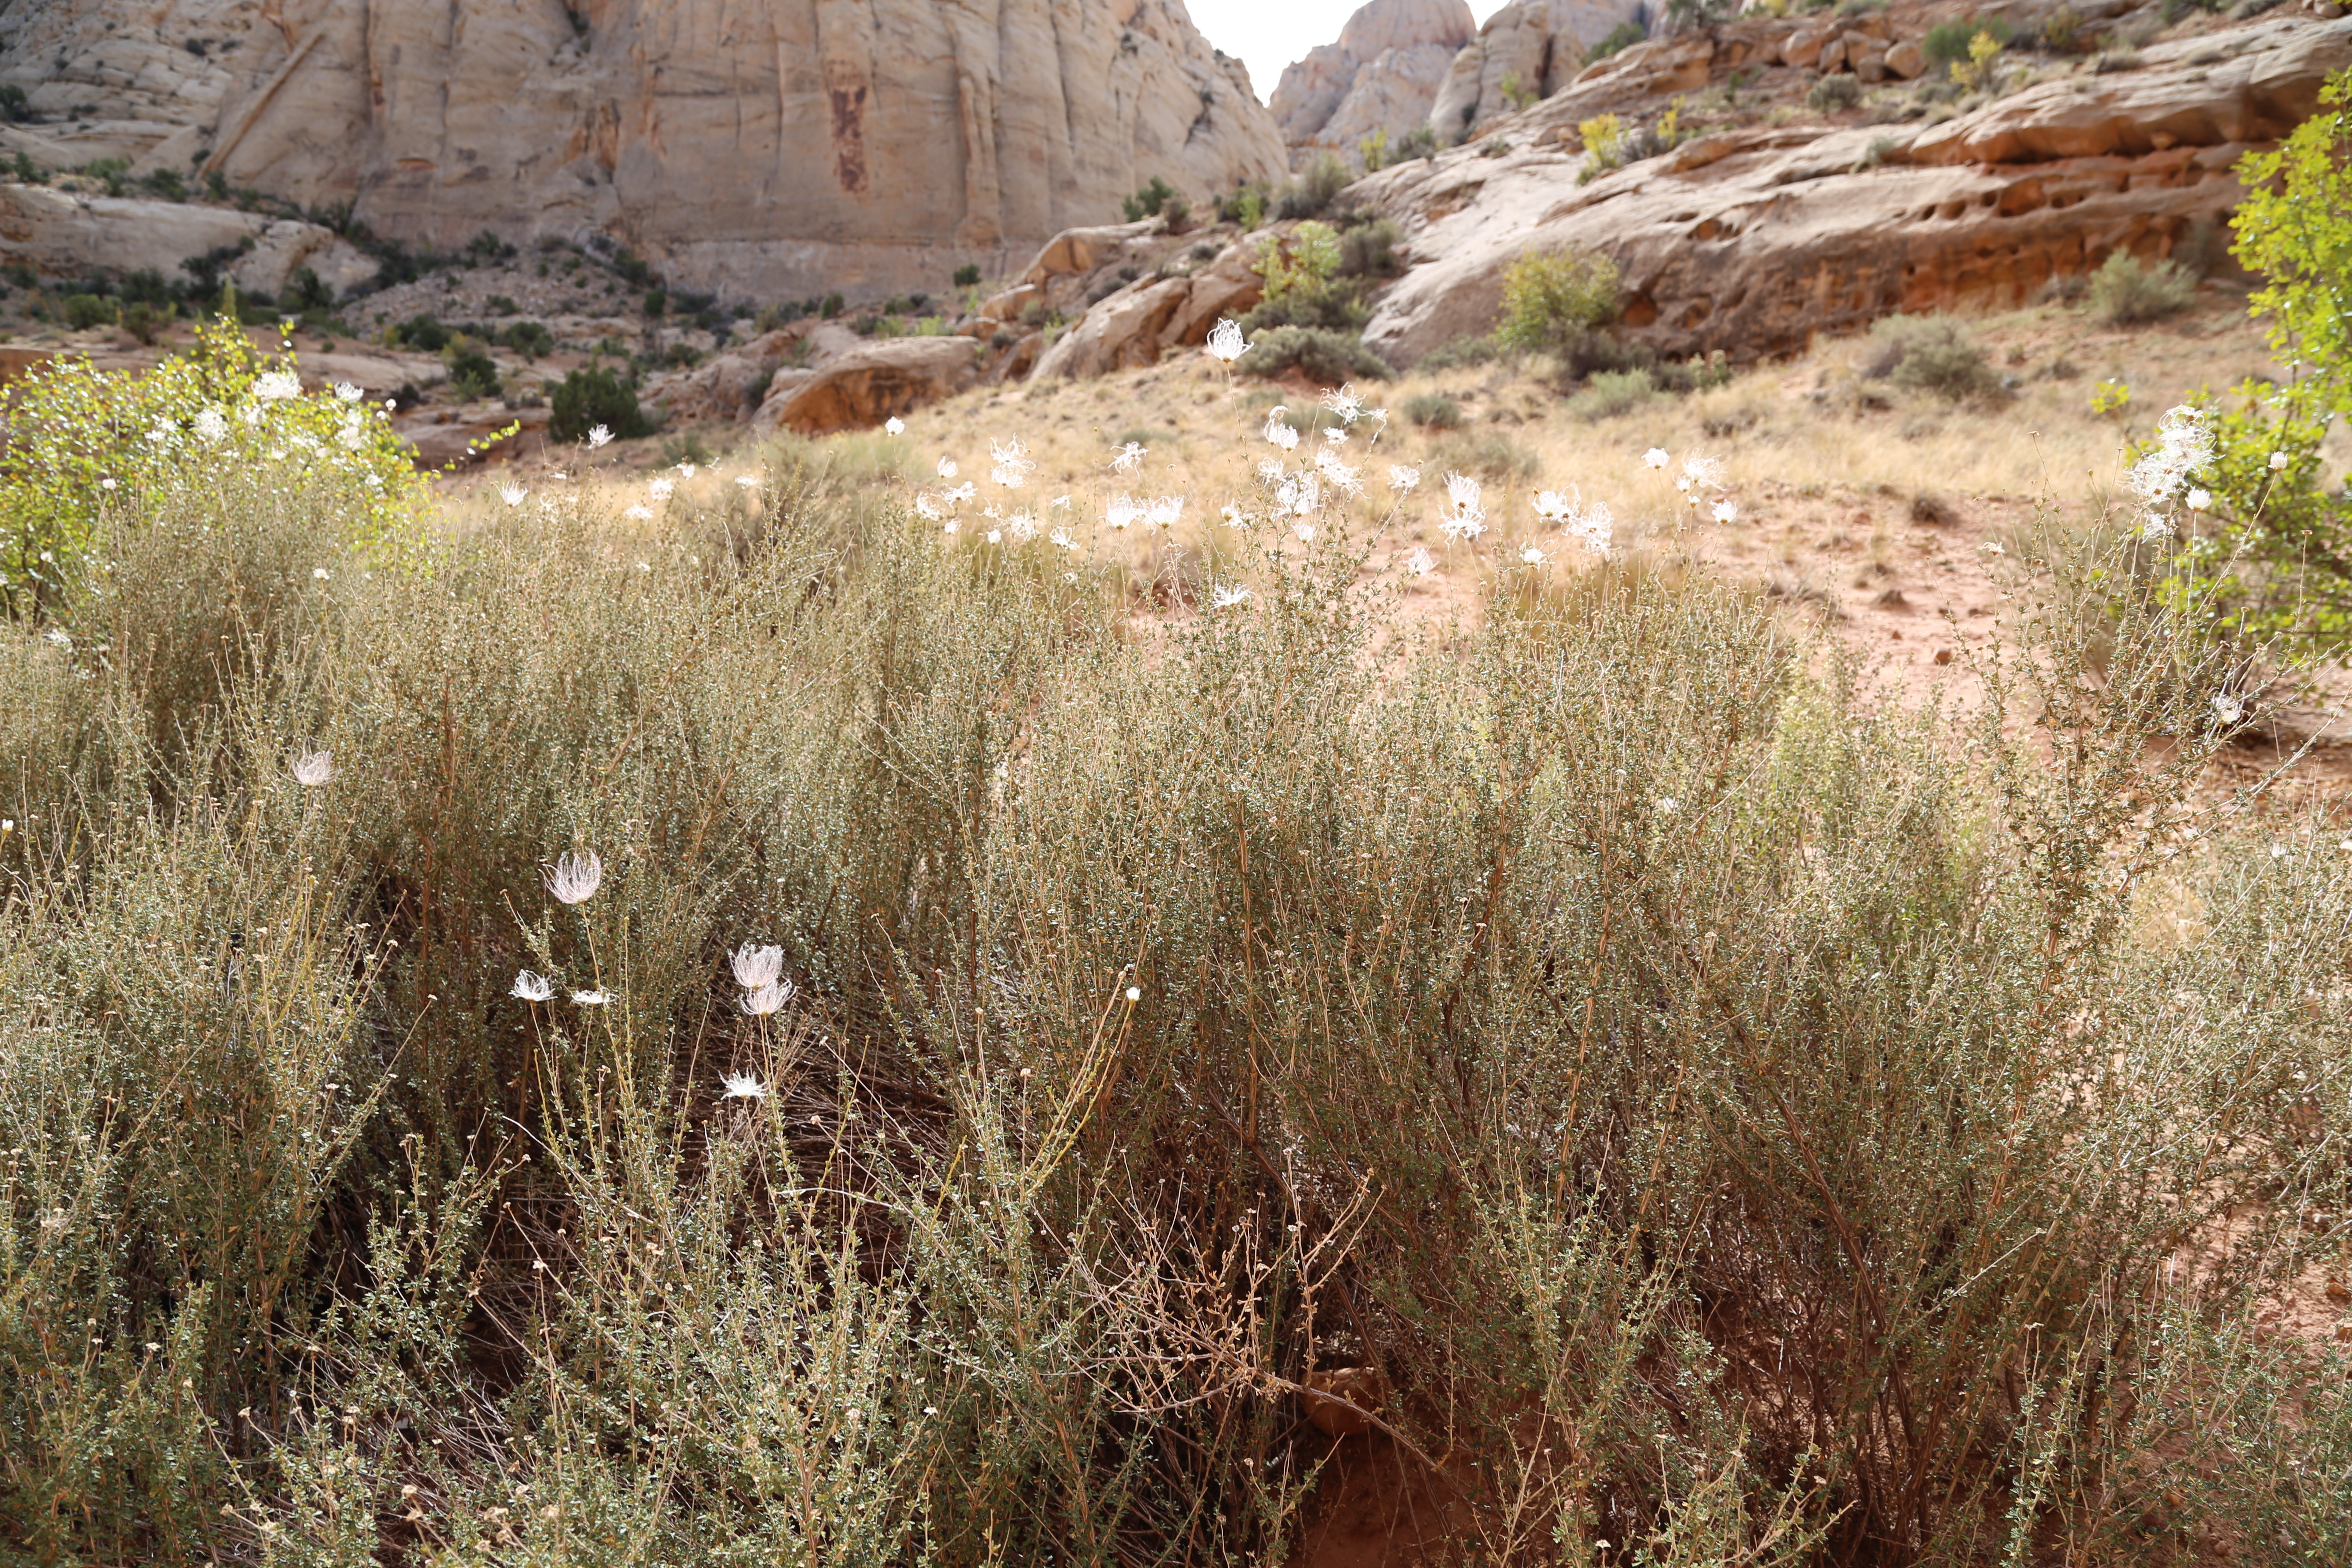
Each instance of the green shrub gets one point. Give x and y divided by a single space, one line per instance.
86 311
1946 43
1322 354
1618 40
1434 411
1550 299
472 373
1838 91
425 332
145 322
1462 352
967 275
2125 291
528 338
592 395
1931 354
1613 392
1369 249
1147 202
1311 193
91 455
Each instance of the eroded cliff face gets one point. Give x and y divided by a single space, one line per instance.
1381 74
762 146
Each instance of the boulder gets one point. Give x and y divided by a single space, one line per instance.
64 235
456 435
788 148
863 386
1870 66
1380 74
1151 317
1536 45
729 385
1907 60
1803 48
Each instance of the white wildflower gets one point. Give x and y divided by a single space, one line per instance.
348 393
211 425
1163 512
574 879
1233 517
1468 519
2153 528
1335 436
895 426
928 509
996 536
1125 459
1060 538
769 999
1301 494
1278 432
276 386
1227 344
512 493
1656 457
2278 462
1725 511
1226 598
1420 563
597 998
741 1086
1591 527
962 492
601 435
312 769
533 986
2229 708
1011 464
1122 512
1305 532
946 468
1403 478
1021 526
321 575
638 512
2199 500
1553 506
1533 556
1345 404
748 481
2183 446
1704 473
687 471
1271 470
662 489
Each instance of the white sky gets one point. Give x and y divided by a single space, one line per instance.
1270 33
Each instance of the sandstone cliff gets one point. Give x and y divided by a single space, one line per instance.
780 148
1380 74
1529 48
1755 238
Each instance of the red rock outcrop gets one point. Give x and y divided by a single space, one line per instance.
1755 240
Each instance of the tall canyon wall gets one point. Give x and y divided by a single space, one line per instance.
762 146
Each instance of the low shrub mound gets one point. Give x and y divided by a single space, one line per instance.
2126 291
1324 355
1932 354
595 395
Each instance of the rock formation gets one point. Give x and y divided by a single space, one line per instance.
789 147
1753 240
1381 75
61 235
1530 48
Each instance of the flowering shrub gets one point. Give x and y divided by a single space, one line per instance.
88 451
2277 544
